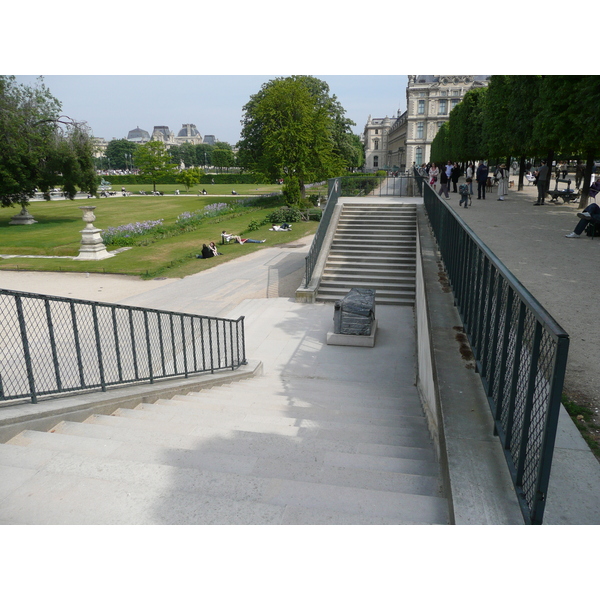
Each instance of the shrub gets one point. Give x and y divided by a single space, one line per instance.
285 214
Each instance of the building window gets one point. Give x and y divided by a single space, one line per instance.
454 103
377 132
421 107
456 92
442 107
420 130
376 144
419 156
439 124
376 161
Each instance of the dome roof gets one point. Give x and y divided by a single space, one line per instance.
138 134
188 130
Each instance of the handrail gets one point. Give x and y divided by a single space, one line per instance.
52 345
520 352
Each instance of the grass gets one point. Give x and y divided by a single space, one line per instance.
212 189
58 233
585 420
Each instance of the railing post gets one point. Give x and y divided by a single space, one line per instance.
26 353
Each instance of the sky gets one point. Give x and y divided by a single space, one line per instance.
113 105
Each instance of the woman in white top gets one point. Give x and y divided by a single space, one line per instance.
502 177
434 174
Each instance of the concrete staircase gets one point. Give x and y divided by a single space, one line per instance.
263 450
374 247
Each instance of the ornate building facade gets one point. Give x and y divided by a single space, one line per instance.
406 139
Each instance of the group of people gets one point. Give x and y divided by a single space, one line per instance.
208 251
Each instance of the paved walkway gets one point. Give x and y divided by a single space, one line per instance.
530 240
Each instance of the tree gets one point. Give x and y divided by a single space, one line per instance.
153 160
40 148
120 154
223 158
293 130
190 177
203 154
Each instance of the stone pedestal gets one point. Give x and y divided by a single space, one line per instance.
23 218
92 246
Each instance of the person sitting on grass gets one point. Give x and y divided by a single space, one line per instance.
229 236
206 252
213 249
590 214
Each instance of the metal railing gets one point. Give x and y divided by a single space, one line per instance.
51 345
333 193
520 352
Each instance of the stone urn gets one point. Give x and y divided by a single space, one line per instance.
23 218
92 246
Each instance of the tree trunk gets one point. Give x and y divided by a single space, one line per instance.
521 172
587 176
549 160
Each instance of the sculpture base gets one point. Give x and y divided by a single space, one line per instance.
342 339
23 218
92 246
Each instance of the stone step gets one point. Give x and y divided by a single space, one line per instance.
397 437
328 296
101 490
367 277
364 263
359 255
309 450
225 406
380 287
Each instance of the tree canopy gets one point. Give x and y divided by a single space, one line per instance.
40 148
153 160
120 153
293 129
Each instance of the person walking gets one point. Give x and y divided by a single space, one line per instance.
470 174
501 176
482 176
454 177
434 173
543 173
444 183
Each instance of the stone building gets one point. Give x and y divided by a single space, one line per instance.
163 134
139 136
397 143
188 134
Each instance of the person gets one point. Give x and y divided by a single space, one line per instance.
482 175
470 173
213 249
282 227
454 177
590 214
434 173
542 175
206 252
501 175
229 236
564 169
594 189
463 190
444 183
251 241
449 169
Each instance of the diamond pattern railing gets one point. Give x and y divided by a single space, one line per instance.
520 351
51 345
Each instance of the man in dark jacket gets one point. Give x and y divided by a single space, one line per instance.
543 175
481 176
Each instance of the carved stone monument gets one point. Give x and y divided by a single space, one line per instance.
23 218
92 246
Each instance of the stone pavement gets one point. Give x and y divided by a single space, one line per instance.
530 240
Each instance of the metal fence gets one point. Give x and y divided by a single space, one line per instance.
520 352
333 193
51 345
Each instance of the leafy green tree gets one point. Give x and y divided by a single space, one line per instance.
204 154
153 160
190 177
120 153
291 130
223 158
39 147
185 153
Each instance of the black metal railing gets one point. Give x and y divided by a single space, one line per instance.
51 345
333 193
520 352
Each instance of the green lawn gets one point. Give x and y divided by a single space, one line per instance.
57 233
212 189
